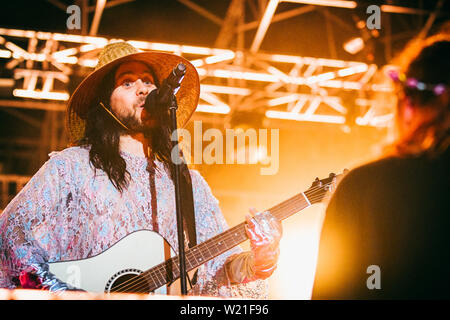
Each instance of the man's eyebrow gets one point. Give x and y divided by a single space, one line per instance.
123 74
145 73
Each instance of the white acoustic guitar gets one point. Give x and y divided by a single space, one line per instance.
143 262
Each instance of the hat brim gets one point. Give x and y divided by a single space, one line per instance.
161 63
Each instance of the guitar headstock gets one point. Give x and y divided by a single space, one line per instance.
321 189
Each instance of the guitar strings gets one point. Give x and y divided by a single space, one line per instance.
143 286
288 203
291 203
157 268
225 237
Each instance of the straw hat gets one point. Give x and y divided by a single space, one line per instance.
112 56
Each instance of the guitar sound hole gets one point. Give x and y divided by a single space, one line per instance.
128 281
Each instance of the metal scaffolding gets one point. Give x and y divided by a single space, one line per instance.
44 67
283 86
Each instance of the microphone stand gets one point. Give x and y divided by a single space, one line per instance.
175 150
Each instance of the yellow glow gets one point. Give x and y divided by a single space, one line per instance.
68 38
352 70
55 36
164 47
282 100
254 76
378 121
283 58
304 117
17 33
331 3
69 60
245 75
5 54
87 47
381 87
223 109
197 63
224 89
354 45
139 44
324 79
88 62
178 48
29 56
351 85
283 77
214 59
65 53
11 46
264 24
63 96
219 58
80 39
212 99
252 153
196 50
294 276
320 77
332 63
6 82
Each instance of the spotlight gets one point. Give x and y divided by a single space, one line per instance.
354 45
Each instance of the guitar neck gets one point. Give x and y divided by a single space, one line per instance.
169 270
221 243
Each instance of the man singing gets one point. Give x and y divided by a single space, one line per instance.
117 178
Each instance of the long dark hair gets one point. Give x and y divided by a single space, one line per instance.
102 134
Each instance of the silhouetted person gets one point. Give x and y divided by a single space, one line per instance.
386 233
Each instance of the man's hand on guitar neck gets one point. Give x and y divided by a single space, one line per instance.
264 232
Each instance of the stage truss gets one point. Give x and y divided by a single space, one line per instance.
278 86
234 83
237 86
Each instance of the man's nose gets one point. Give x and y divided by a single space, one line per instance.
142 89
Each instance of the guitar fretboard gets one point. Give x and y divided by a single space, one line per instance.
168 271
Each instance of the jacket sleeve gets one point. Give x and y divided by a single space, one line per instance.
26 231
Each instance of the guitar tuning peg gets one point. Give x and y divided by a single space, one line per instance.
346 171
316 182
332 175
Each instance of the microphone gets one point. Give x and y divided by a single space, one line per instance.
160 100
171 84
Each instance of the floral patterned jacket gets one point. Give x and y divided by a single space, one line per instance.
70 211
